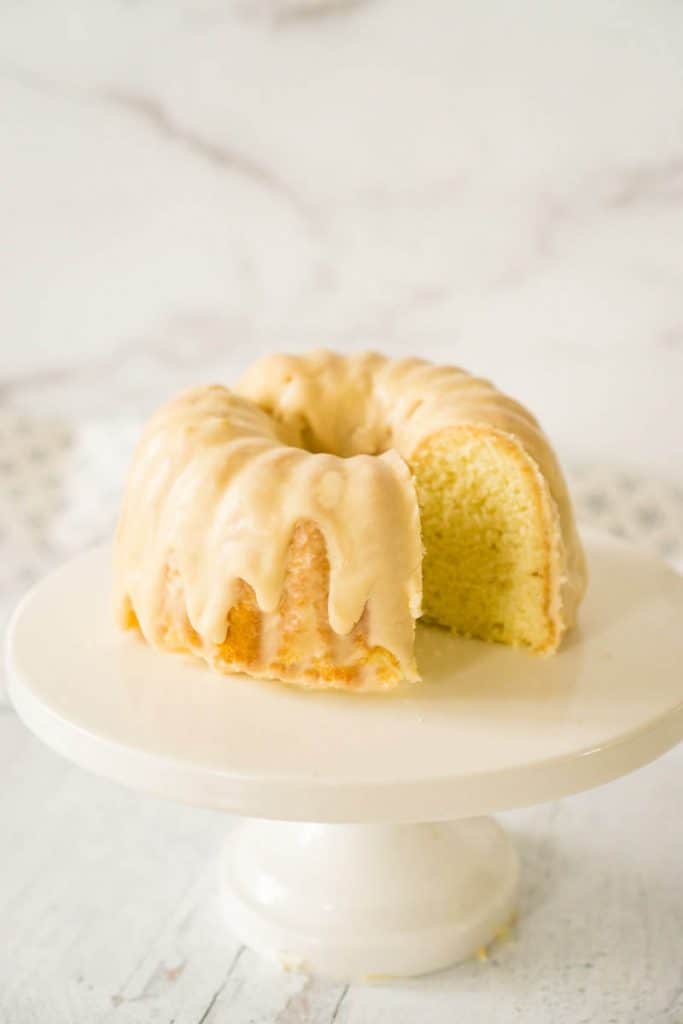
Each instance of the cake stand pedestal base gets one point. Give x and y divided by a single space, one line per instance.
369 901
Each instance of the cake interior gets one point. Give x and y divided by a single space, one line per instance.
486 550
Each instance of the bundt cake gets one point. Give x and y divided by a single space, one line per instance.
296 528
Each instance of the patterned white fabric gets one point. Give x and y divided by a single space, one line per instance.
61 482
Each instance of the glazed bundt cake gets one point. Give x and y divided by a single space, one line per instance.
296 528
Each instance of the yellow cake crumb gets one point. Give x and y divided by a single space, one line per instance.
485 530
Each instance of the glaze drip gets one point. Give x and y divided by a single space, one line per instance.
216 492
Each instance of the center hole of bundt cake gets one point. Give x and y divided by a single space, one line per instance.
332 437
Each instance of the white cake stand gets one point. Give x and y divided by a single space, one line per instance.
395 876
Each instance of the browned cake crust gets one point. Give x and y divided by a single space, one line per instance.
295 643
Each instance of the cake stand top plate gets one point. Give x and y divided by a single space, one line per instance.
489 728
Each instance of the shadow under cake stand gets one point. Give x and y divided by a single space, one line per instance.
364 852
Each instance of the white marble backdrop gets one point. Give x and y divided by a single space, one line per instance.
184 184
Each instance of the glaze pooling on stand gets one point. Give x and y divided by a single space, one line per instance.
277 529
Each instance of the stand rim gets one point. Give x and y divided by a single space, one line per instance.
158 776
330 799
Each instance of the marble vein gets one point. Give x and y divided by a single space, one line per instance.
154 115
295 11
223 157
278 13
620 189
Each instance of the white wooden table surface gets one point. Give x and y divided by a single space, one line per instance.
109 913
